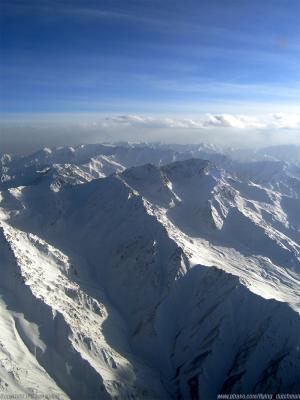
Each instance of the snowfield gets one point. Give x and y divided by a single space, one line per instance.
150 272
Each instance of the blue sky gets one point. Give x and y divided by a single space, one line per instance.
150 57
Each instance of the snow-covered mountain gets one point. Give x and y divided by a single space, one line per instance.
149 272
288 153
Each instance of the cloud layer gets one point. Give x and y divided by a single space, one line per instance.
221 129
270 121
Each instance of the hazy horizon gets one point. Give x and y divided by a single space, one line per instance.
223 130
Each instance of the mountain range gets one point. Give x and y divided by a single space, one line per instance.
150 271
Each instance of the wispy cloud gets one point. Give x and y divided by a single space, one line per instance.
228 88
223 121
184 19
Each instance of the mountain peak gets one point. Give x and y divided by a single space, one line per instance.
187 168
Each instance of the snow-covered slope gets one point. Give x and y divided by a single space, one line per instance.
178 280
290 153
